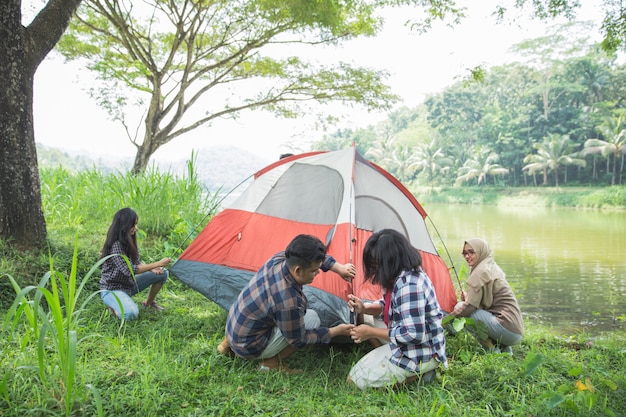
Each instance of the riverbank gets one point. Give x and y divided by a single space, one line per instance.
606 198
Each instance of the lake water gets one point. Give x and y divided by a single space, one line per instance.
566 266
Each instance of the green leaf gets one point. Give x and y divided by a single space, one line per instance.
458 324
575 371
532 362
447 319
555 400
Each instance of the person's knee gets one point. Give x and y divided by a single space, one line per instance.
131 313
312 320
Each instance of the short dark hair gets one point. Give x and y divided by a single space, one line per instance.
386 254
303 250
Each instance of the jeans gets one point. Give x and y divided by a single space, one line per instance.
126 303
497 332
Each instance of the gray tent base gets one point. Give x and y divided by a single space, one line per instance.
222 285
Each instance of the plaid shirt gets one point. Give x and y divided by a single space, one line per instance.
115 273
271 299
415 326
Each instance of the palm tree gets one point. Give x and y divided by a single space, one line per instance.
382 150
402 162
481 164
536 162
431 160
395 157
614 144
554 152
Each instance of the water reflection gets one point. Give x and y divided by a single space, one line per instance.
567 267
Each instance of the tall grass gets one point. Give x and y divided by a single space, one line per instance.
171 211
169 207
55 322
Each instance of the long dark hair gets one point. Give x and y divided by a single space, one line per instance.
124 220
386 254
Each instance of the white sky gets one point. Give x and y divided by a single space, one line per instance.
67 118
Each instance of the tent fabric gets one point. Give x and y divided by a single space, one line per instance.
338 196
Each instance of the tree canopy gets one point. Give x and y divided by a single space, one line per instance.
186 63
167 68
555 116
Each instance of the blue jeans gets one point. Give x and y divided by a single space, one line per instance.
126 303
497 332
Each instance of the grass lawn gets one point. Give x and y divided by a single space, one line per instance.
166 364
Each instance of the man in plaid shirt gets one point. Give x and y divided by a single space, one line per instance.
269 321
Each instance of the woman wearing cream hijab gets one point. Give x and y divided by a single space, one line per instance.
489 299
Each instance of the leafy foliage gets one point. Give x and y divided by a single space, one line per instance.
188 63
513 122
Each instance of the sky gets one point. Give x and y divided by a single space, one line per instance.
67 118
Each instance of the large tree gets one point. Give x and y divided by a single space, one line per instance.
22 48
186 63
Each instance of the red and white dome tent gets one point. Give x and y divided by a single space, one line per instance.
338 196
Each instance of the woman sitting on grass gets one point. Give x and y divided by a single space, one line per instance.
490 300
119 280
413 336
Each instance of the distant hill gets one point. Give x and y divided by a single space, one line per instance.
217 167
72 161
220 166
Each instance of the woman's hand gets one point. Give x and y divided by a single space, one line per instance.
360 333
160 266
458 309
355 304
343 329
463 295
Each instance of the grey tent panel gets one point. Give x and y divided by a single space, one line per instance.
222 285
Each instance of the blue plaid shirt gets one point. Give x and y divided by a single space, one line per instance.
271 299
415 326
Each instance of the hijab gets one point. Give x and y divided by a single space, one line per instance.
485 273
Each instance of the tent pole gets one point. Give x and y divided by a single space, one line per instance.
447 252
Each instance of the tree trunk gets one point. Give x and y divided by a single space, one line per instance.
595 174
21 51
614 173
21 216
144 152
556 177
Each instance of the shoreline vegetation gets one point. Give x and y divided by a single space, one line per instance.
80 361
602 198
